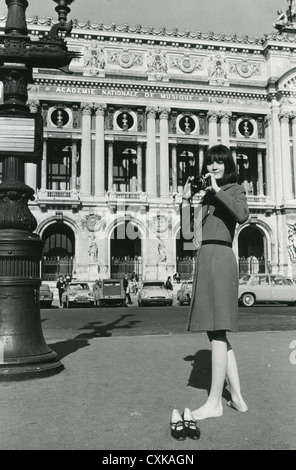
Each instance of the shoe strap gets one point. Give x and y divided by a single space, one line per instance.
177 424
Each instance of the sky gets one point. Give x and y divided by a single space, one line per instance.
243 17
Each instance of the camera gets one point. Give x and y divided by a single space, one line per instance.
199 183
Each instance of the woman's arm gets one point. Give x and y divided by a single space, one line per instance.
235 203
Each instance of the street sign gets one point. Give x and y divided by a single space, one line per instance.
21 135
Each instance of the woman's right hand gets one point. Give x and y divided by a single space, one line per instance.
187 189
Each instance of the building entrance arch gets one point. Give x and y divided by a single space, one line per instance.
126 250
252 250
59 251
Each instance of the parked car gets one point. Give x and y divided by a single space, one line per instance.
185 292
77 293
110 292
290 280
263 287
154 292
45 296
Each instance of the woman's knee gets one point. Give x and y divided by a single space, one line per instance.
219 335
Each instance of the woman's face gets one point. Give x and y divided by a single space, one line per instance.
217 169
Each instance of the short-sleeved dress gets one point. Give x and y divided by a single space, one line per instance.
214 304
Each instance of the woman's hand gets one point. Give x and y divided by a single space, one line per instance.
214 186
187 190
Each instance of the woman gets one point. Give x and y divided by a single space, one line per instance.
214 301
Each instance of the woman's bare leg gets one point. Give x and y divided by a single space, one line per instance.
213 407
232 376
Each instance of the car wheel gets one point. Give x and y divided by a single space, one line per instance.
248 299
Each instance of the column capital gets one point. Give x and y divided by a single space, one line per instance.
267 120
284 117
212 116
293 117
87 108
33 105
100 109
225 116
151 112
164 113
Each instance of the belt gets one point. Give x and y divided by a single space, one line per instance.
216 242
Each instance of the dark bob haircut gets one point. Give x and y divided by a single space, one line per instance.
221 154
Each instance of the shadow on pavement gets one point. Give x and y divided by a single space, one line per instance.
98 330
201 373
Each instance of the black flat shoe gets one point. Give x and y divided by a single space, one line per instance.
178 431
177 426
191 428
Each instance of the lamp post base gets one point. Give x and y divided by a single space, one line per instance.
23 351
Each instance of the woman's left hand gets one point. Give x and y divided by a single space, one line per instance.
214 186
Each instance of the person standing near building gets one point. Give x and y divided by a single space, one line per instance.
127 289
60 285
214 304
168 284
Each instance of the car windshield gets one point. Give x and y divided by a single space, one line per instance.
153 284
80 286
244 279
44 287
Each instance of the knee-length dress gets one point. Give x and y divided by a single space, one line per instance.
214 301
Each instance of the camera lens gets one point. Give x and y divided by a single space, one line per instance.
198 184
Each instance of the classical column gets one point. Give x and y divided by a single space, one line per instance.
286 156
164 154
201 156
294 148
44 166
225 117
139 167
86 149
31 168
151 183
260 172
276 148
31 175
269 157
174 169
213 131
100 150
74 166
110 166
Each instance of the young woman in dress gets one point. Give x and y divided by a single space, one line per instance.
214 303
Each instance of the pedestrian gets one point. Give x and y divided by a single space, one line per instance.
96 289
168 284
214 303
127 289
60 285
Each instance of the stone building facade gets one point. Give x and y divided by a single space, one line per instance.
133 120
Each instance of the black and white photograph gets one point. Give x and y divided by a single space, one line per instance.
147 227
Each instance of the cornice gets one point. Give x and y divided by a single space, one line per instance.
150 33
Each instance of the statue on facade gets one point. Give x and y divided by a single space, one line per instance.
161 251
286 21
292 241
93 250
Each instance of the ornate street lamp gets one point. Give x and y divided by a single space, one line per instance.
23 350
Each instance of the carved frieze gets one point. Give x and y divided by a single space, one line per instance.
157 65
94 60
186 64
217 70
244 68
125 59
94 223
